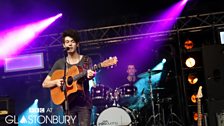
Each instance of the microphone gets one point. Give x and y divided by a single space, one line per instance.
66 49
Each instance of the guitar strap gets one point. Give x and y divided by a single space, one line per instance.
86 65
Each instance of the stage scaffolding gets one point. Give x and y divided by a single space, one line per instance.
95 37
124 32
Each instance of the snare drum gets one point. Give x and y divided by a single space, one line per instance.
115 116
100 94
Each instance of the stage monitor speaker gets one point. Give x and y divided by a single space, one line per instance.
6 108
213 62
216 113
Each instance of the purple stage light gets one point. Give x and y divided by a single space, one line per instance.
163 23
168 18
24 62
14 39
184 2
59 15
40 26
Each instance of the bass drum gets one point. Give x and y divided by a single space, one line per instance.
115 116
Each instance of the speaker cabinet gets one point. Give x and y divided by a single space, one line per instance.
213 61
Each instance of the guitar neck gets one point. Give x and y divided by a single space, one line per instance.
199 112
84 73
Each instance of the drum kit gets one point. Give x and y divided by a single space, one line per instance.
114 105
122 107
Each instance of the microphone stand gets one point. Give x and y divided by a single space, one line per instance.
64 89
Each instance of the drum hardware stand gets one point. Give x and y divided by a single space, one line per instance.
171 118
162 119
115 97
152 101
108 96
153 105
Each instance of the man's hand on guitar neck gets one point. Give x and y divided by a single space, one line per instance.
90 74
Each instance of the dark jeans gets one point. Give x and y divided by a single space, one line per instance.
82 114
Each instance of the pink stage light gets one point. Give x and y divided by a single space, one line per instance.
184 2
166 20
13 40
169 17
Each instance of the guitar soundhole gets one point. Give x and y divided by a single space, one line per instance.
70 80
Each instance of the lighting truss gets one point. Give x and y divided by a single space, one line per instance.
124 32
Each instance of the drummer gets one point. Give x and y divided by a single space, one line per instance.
131 70
141 84
143 88
131 80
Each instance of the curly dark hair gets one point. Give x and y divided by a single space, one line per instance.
71 33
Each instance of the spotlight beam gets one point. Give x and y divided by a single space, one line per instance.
166 21
14 39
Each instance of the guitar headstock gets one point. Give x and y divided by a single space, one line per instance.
109 62
199 94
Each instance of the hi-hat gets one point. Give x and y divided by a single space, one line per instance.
147 91
158 89
146 74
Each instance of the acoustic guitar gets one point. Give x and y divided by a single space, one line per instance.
199 96
73 75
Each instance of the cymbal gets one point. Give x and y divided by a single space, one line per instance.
146 74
